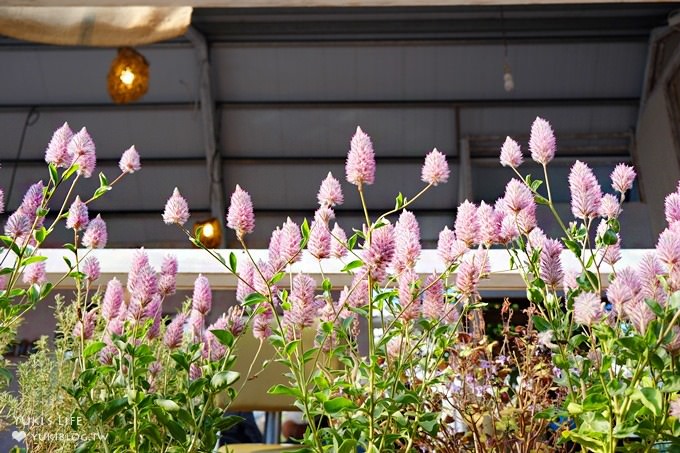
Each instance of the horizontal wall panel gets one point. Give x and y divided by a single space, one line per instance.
394 71
325 131
295 186
161 132
59 75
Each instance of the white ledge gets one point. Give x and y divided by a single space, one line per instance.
116 263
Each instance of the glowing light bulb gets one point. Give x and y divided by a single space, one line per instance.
208 230
127 76
508 81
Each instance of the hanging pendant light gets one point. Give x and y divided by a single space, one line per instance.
128 78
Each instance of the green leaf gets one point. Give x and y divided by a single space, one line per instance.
224 379
175 430
226 422
232 262
54 174
352 265
399 201
225 337
348 445
337 404
181 360
655 306
352 241
69 171
167 405
671 383
540 199
651 398
573 246
280 389
634 344
40 234
304 231
112 408
541 324
93 348
103 181
254 299
610 238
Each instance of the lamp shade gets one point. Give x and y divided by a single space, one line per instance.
128 78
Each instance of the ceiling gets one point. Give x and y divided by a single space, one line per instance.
291 85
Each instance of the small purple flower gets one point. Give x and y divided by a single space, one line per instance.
542 141
407 241
622 178
609 207
649 271
195 372
324 214
410 304
330 192
91 268
212 348
435 169
35 273
244 286
672 207
319 244
202 297
489 224
469 273
240 216
89 322
274 250
77 215
511 154
570 283
517 197
449 248
57 150
588 309
174 333
196 325
550 263
668 248
467 223
585 192
96 234
107 354
262 329
33 199
81 151
380 252
639 314
290 242
338 241
176 209
235 322
113 299
17 227
129 161
360 164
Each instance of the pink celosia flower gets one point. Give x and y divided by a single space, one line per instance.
301 314
202 297
380 252
535 239
622 178
550 263
290 242
114 327
77 215
649 271
261 278
129 161
168 278
35 273
57 150
319 244
153 308
639 314
588 309
262 329
142 284
324 214
154 312
2 201
360 164
517 197
140 260
585 191
113 299
240 216
196 325
274 250
244 286
619 294
612 253
338 242
174 333
542 141
235 323
396 346
609 206
17 227
304 287
668 248
469 273
195 372
433 298
489 224
674 408
511 154
89 322
330 192
81 151
358 295
96 234
410 304
449 248
435 169
467 224
33 199
570 283
509 230
176 209
91 268
107 354
407 241
672 207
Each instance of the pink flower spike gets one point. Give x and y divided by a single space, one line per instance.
433 298
668 248
240 216
33 199
550 263
672 208
511 154
319 244
81 150
77 215
360 164
435 169
445 246
202 297
96 235
113 299
290 242
176 209
17 226
244 285
588 309
2 201
129 161
89 322
467 224
517 197
380 252
622 178
91 268
542 141
489 224
174 333
57 150
609 207
407 241
338 241
330 192
35 273
410 304
585 192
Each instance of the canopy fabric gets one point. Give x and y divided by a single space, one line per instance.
94 26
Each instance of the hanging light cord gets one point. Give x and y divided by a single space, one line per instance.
31 118
505 40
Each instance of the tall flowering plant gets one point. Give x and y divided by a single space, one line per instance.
70 157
